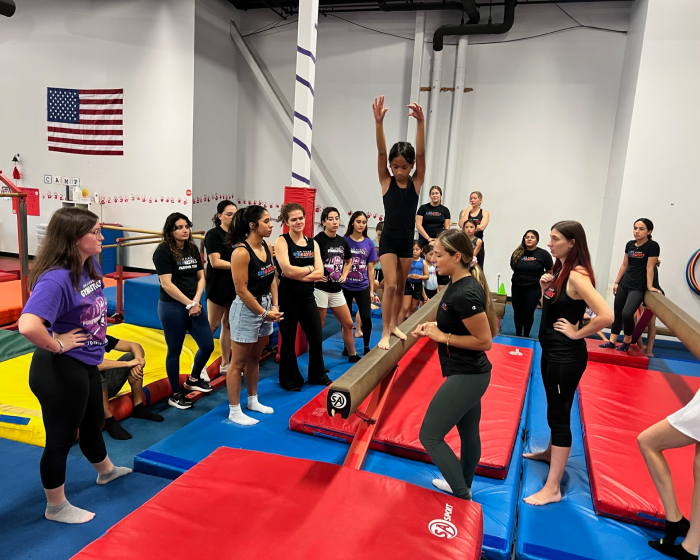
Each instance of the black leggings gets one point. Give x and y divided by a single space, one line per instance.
300 310
560 382
456 403
70 394
364 304
626 304
525 300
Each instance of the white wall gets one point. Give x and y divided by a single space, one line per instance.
144 47
662 167
214 153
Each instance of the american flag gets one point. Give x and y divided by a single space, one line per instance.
85 121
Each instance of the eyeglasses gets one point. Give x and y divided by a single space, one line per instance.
96 232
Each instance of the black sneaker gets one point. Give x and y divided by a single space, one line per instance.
198 385
180 401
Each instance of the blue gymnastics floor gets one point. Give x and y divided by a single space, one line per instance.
569 530
183 449
24 533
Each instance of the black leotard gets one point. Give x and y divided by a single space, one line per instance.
399 215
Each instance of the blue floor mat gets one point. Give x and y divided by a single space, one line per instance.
569 530
25 532
179 452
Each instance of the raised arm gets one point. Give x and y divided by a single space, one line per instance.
382 158
464 215
416 111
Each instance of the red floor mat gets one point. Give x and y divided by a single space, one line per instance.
419 376
616 404
634 358
294 509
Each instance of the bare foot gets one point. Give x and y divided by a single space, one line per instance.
398 334
384 341
544 497
358 333
542 456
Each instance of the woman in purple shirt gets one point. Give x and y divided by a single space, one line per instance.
356 286
66 318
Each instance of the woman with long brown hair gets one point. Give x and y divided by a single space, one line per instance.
566 292
480 217
66 319
465 326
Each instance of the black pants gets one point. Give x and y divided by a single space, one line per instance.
364 305
626 304
300 310
70 394
482 255
525 300
177 322
456 403
560 382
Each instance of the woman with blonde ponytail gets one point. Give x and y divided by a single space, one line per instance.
464 330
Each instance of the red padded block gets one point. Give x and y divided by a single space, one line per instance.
11 267
633 358
617 403
8 276
298 509
419 376
121 407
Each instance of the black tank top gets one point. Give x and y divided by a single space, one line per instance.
260 274
477 220
557 346
400 207
302 256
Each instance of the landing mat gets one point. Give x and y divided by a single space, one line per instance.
418 377
301 509
634 357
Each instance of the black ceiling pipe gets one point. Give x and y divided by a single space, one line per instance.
7 8
412 7
472 11
468 29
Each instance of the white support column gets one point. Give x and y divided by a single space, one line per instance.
304 92
418 47
431 140
456 121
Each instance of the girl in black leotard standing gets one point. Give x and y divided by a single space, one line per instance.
480 218
567 291
401 192
299 265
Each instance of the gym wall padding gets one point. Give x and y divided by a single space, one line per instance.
617 403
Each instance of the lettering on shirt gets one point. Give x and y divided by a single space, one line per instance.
433 213
635 254
550 293
90 287
444 306
187 263
333 264
529 259
266 271
303 254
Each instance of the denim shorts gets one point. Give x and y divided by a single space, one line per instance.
246 326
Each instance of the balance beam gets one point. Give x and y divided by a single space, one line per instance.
351 389
681 324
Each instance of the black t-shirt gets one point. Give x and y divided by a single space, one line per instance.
220 288
462 299
635 277
334 252
433 218
261 274
531 266
301 256
111 343
184 271
558 347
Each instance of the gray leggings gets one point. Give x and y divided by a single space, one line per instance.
456 403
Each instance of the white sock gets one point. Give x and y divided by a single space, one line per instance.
442 485
223 369
254 405
204 375
236 415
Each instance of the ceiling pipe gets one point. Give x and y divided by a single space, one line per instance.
7 8
431 140
451 181
472 11
470 29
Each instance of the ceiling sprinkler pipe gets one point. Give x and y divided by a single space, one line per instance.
471 29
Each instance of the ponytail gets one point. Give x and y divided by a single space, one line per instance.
220 210
240 225
455 241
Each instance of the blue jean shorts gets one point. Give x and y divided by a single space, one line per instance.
246 326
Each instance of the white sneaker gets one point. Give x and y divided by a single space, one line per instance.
223 369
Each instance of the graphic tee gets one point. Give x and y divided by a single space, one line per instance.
433 218
531 266
635 277
64 308
363 252
463 299
183 271
334 252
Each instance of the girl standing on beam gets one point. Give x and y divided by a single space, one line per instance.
400 193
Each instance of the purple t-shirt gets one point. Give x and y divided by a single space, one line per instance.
363 252
55 300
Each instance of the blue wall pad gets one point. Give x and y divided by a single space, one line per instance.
141 301
111 295
569 530
25 532
177 453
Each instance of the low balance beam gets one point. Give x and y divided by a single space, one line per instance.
681 324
